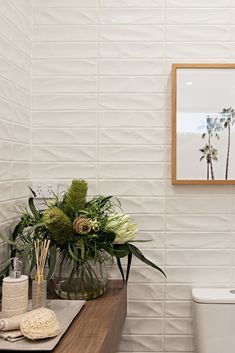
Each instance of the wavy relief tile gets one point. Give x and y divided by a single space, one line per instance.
12 33
199 3
198 16
132 67
147 291
179 344
199 222
199 33
65 3
66 84
200 258
138 343
14 94
131 16
64 68
130 188
143 326
132 101
205 205
66 119
150 222
65 33
62 101
132 136
143 204
131 170
68 16
64 50
14 74
8 10
145 308
64 136
131 153
132 3
123 33
15 55
72 170
132 84
178 309
134 118
132 50
64 153
206 275
205 240
25 7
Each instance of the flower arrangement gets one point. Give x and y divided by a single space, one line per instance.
82 229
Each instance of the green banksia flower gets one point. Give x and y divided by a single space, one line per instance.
58 224
76 198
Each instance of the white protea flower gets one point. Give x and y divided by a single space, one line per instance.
123 227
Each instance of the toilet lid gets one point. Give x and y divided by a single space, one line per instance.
213 295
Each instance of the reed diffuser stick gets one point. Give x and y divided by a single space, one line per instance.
39 285
41 251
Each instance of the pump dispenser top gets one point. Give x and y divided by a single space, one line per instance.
15 272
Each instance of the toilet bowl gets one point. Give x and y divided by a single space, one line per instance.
214 320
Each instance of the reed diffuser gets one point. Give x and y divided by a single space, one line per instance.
39 285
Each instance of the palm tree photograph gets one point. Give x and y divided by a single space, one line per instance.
204 140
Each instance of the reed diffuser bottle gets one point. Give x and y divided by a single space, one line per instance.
39 284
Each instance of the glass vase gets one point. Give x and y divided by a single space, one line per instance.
79 280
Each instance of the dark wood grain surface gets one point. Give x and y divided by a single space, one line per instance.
98 326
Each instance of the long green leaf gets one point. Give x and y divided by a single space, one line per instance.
32 191
32 229
33 209
128 266
135 251
17 230
121 250
120 268
8 241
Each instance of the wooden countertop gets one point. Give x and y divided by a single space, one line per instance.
98 327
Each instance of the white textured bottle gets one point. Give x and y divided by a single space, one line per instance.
15 292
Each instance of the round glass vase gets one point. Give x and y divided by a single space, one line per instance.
79 280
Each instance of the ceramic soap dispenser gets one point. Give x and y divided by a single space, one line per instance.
15 292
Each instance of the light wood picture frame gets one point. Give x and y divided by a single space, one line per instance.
203 124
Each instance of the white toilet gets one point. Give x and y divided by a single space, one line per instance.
214 320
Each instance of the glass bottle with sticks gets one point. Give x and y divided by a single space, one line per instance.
39 284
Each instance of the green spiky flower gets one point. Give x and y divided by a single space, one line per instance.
75 199
58 224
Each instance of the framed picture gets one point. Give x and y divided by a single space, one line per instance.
203 129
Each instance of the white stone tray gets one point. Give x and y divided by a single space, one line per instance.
65 310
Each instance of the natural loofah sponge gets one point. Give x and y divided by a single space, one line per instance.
40 323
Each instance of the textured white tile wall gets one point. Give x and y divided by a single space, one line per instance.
15 110
101 111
